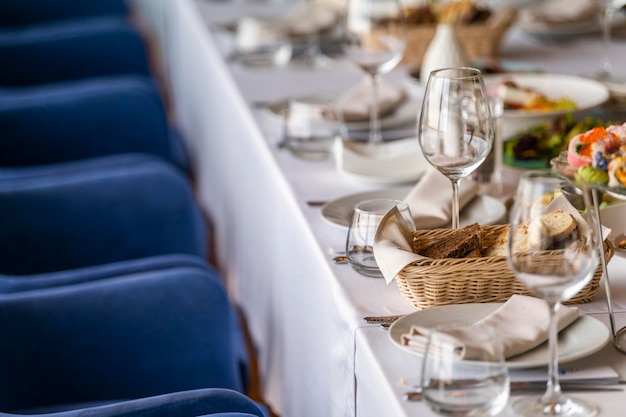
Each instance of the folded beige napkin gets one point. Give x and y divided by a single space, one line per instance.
430 200
354 105
310 18
521 322
559 13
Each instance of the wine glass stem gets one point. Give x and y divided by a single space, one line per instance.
607 21
455 202
553 389
374 136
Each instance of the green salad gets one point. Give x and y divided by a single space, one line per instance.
535 147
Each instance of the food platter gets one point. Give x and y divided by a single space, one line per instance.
587 94
563 168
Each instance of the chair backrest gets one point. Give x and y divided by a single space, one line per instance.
195 403
120 338
71 51
79 218
28 12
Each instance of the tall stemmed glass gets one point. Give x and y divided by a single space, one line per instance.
553 267
608 9
375 32
455 128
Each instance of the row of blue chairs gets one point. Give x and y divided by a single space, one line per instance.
107 304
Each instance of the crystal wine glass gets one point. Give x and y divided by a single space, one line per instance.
455 128
465 379
608 9
553 266
375 32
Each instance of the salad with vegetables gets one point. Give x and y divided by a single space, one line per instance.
535 147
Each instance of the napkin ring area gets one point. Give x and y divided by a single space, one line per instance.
436 282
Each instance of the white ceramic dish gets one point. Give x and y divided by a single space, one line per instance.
585 92
404 114
482 209
584 337
394 162
614 217
583 27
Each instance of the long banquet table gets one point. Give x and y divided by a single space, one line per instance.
316 355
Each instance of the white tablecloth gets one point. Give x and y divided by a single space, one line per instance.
316 356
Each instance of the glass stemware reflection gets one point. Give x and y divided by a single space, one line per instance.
608 8
455 128
375 32
456 385
554 269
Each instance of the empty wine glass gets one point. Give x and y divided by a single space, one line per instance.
465 378
375 32
608 9
554 267
455 128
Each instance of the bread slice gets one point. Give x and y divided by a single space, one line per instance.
559 224
456 244
542 233
501 246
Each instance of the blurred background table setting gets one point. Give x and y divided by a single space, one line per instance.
277 249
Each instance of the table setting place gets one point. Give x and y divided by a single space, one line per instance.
495 272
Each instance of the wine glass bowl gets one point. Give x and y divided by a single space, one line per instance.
554 261
455 127
375 39
452 385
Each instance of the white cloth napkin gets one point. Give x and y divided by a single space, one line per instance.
306 20
399 160
555 13
310 18
354 105
430 200
521 323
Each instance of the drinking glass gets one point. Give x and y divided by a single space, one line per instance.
457 386
553 267
455 128
375 32
311 127
366 217
608 10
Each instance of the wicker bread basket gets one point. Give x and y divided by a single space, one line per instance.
435 282
480 40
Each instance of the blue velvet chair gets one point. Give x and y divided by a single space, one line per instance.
212 402
85 119
119 339
70 50
93 212
32 12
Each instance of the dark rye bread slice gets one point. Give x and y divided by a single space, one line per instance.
457 244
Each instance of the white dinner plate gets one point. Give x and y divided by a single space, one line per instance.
583 27
482 209
585 92
584 337
405 113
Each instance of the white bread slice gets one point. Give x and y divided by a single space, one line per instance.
559 224
553 227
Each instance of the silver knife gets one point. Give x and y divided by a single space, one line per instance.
520 387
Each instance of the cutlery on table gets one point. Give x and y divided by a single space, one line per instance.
382 319
523 386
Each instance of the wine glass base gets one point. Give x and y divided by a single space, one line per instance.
564 407
619 340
